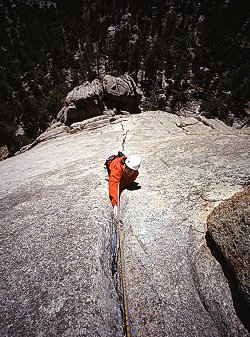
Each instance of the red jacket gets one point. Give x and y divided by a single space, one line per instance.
118 176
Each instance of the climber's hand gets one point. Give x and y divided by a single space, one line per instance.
116 212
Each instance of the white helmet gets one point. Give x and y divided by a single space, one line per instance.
133 162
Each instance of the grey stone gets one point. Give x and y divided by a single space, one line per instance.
50 133
167 262
92 99
53 133
215 124
122 93
4 152
54 125
92 123
96 123
229 227
186 122
83 102
56 230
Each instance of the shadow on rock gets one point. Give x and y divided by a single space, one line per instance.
133 186
241 306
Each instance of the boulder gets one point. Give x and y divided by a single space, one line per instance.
83 102
4 152
90 99
122 93
229 227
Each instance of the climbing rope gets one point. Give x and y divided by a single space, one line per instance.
118 246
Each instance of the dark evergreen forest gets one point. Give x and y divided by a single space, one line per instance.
176 50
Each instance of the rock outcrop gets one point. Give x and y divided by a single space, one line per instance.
89 100
4 152
52 132
58 129
229 227
56 229
122 93
83 102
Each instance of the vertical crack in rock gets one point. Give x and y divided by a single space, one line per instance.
117 277
122 127
158 120
124 138
58 285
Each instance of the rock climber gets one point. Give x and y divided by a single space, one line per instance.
122 172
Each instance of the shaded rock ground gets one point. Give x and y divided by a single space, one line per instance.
56 232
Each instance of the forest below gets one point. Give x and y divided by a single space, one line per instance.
177 51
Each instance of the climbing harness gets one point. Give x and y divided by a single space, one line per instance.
118 256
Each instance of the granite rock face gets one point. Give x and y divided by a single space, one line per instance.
4 152
83 102
229 227
186 172
53 132
122 93
57 231
89 99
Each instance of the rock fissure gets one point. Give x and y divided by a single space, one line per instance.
183 124
211 200
124 139
116 276
158 120
186 131
163 162
205 122
196 230
117 121
60 253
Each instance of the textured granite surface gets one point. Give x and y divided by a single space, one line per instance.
229 227
56 232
